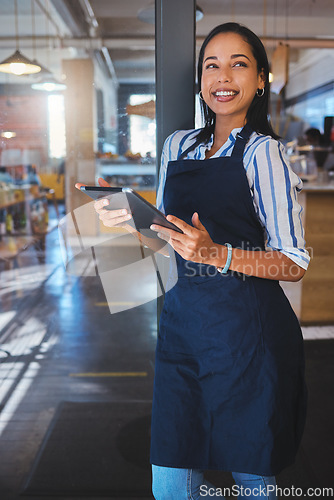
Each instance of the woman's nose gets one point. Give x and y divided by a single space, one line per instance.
224 76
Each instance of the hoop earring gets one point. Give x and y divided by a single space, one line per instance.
200 95
260 92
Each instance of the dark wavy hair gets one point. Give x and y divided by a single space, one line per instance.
257 114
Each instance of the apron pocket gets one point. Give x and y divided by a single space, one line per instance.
211 314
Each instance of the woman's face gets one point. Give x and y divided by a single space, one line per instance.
230 78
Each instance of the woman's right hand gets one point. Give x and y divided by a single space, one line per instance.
110 218
119 218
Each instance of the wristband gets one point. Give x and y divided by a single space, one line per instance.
228 260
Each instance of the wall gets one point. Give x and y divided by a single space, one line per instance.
27 116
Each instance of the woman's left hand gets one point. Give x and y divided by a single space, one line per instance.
194 244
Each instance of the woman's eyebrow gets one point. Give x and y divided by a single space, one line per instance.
235 56
211 57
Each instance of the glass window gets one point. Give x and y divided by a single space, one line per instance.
313 110
56 126
143 125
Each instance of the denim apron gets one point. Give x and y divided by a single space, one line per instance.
229 390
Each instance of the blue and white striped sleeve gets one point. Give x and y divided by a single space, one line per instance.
165 157
275 197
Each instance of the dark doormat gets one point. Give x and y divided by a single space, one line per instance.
94 449
314 464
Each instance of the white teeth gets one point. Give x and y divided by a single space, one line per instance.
225 93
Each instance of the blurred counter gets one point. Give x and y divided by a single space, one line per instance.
139 175
313 297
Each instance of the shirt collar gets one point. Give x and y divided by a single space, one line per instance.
231 138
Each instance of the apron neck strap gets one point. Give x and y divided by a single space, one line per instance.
239 146
241 141
193 146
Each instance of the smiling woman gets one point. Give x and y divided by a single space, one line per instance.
230 80
229 388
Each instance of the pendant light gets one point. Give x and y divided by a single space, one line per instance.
47 83
17 63
44 70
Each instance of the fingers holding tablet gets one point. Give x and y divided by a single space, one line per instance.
109 217
112 218
101 204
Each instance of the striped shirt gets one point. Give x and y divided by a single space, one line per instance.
273 186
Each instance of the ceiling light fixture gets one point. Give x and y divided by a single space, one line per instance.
17 63
8 134
147 14
199 13
44 70
48 83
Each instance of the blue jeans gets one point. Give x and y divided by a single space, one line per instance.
189 484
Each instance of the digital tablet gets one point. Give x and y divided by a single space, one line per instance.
144 213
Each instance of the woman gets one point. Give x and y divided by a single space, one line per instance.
229 390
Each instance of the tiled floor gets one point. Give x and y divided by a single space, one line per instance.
54 326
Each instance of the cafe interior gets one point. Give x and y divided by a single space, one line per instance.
87 90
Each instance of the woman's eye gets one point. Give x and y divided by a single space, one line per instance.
212 65
240 64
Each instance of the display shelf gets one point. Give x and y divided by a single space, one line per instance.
316 186
28 223
27 199
112 168
121 172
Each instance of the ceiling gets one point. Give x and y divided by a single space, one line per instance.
77 28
